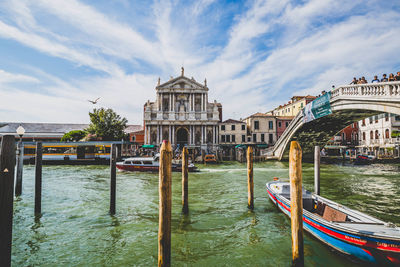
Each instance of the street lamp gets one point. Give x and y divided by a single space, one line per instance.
20 132
18 186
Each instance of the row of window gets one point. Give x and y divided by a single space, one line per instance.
371 134
280 124
233 127
231 138
371 119
257 125
227 138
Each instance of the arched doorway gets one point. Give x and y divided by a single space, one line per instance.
182 137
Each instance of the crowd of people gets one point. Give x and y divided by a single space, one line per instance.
391 78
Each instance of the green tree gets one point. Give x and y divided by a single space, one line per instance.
106 124
75 135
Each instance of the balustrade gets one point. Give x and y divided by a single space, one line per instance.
387 89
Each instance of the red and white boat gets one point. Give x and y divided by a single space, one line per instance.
149 164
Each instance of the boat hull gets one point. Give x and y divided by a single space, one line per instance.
369 249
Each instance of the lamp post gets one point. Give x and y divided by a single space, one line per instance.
20 162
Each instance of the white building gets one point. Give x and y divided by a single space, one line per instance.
232 132
262 128
375 134
182 114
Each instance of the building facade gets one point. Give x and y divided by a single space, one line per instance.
182 114
261 129
282 122
232 132
294 106
376 134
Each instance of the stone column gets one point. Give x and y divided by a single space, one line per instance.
170 102
201 134
173 102
173 135
190 103
145 135
158 134
161 102
170 134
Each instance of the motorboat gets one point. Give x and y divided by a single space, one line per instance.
363 160
149 164
348 231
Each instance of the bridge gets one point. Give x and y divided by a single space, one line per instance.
349 103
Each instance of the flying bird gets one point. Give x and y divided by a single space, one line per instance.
94 101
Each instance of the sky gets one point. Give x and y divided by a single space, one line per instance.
56 54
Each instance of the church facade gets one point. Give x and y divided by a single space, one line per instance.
182 114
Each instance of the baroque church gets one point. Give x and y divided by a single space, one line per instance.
182 114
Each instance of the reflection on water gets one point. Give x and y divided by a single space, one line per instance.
76 229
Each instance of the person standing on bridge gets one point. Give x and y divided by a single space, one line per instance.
363 80
375 80
384 79
354 81
397 77
391 77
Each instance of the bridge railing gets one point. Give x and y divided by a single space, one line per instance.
384 89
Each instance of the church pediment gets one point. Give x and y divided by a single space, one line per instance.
182 83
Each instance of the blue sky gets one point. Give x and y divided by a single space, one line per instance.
57 54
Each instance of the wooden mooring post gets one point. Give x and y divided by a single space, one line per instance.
20 166
165 203
185 182
317 161
296 203
113 180
38 179
250 182
7 168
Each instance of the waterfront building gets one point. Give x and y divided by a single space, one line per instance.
182 114
232 132
136 137
377 135
294 106
282 122
262 129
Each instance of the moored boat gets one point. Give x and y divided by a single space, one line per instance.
363 160
348 231
149 164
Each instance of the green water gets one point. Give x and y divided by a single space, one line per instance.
76 229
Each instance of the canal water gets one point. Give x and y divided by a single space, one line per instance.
76 229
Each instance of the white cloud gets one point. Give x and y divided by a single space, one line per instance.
7 77
274 49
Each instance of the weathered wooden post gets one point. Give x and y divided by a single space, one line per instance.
317 160
20 166
113 174
7 165
165 202
185 187
250 183
38 179
296 203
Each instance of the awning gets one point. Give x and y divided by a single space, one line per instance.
237 146
262 145
148 146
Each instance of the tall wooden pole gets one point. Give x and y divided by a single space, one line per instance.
317 160
185 186
250 182
38 179
296 203
165 203
7 165
20 166
113 181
